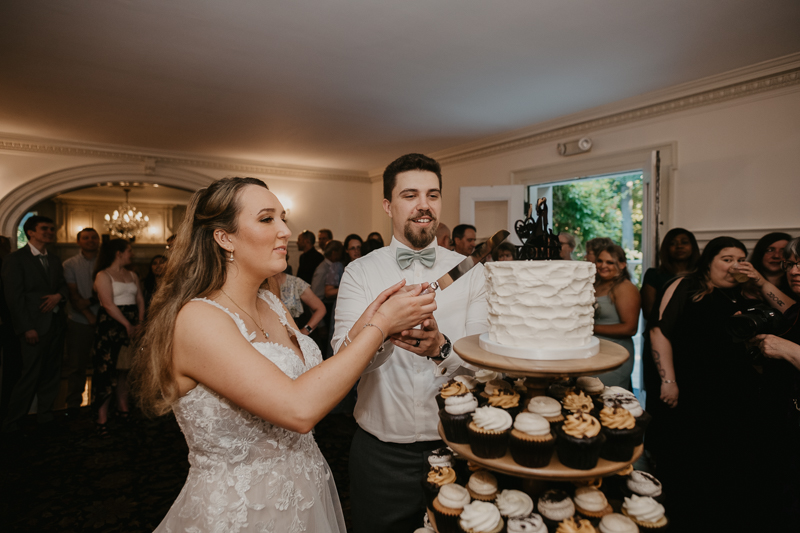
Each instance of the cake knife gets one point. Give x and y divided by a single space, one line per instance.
464 266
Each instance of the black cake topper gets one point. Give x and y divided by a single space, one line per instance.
538 242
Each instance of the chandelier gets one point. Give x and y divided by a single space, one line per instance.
126 222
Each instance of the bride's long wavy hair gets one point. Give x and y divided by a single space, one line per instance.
196 268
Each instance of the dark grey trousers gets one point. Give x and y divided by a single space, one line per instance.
386 483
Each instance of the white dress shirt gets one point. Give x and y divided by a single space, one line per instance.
396 393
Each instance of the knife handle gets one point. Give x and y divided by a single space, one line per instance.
431 288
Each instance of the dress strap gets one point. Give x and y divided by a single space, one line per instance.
235 316
275 304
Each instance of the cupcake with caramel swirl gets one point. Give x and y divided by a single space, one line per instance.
622 433
437 477
451 388
506 399
577 401
579 441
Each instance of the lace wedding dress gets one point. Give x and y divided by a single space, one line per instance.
246 474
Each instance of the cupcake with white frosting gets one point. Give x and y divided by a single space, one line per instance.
481 517
437 477
489 431
617 523
531 442
447 507
451 388
555 506
482 486
646 512
591 503
619 397
514 504
456 416
547 407
644 484
533 523
590 385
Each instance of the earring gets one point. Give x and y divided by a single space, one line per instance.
230 259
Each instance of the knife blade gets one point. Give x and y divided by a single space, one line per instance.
467 264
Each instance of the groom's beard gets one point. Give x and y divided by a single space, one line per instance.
421 237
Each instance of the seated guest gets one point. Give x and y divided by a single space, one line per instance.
505 252
617 314
443 237
352 249
294 293
593 247
324 236
310 258
464 239
767 257
567 241
376 238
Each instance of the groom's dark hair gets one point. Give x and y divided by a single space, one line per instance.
407 162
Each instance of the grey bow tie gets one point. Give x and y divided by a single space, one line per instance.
405 257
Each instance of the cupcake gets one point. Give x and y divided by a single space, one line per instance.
589 385
481 517
644 484
547 407
441 457
531 441
447 507
579 441
574 402
456 416
482 486
570 526
533 523
469 381
591 503
514 504
451 388
619 397
492 387
484 375
555 506
559 389
506 399
617 523
622 434
437 477
426 525
489 431
646 512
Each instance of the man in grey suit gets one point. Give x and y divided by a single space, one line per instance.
36 294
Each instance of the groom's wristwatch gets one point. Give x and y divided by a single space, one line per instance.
444 351
308 328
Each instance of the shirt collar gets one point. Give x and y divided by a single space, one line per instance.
35 251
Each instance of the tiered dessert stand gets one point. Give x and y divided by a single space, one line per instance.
539 374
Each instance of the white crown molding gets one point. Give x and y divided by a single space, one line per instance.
21 143
759 78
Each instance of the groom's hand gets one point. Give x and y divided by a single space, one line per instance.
424 341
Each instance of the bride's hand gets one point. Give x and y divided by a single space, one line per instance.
405 309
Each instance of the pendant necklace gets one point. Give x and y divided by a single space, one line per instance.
266 335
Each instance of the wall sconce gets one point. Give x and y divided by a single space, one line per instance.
580 146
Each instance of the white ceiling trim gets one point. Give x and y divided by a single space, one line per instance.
767 76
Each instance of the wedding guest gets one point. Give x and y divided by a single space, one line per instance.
310 258
294 293
677 256
352 248
464 237
245 386
36 294
593 247
333 254
505 252
443 236
82 317
617 313
396 410
324 236
121 310
377 238
158 264
767 257
567 241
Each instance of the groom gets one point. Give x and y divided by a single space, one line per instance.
396 410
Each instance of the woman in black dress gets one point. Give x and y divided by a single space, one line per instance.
715 434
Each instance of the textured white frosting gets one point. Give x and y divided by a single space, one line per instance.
496 384
468 381
542 304
482 482
644 484
544 406
590 499
458 405
514 503
617 523
482 375
532 523
532 424
624 398
453 496
480 517
492 418
643 508
556 505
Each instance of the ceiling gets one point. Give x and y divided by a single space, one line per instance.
142 193
351 84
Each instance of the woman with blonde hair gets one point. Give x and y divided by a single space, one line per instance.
245 385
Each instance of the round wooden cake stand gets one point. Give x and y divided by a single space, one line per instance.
555 471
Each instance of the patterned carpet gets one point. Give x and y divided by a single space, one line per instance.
73 481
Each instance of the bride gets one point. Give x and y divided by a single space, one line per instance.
245 386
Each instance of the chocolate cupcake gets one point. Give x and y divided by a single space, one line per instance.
489 432
555 506
533 523
492 387
437 477
451 388
619 397
531 442
514 504
456 416
447 507
591 386
441 457
570 525
622 433
481 517
617 523
505 399
547 407
591 503
577 401
469 381
483 375
579 441
559 389
644 484
647 513
482 486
